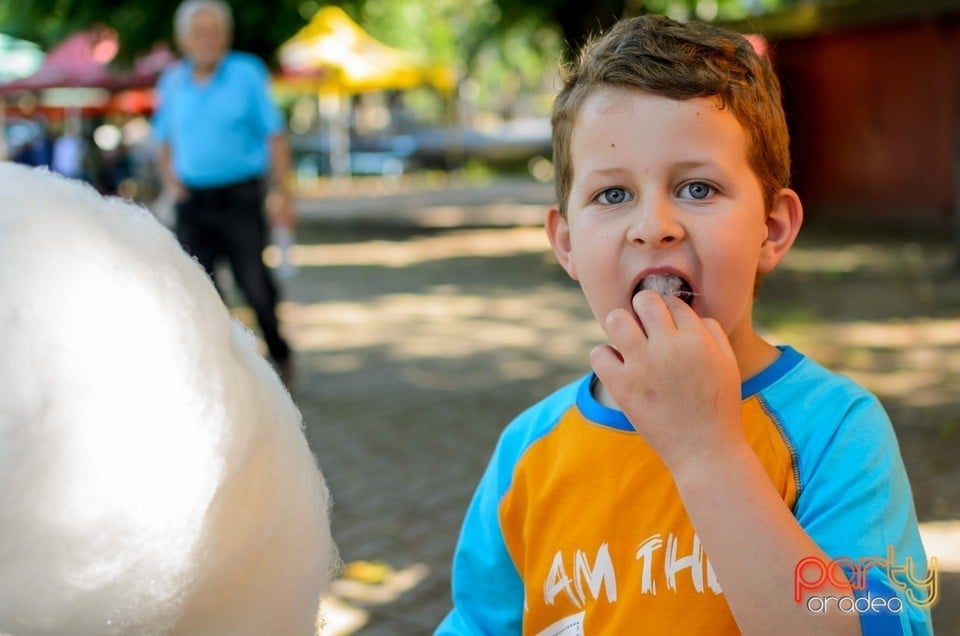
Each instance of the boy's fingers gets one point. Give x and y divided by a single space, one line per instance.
681 313
605 360
652 311
716 332
624 331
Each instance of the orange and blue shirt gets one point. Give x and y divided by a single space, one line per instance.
577 527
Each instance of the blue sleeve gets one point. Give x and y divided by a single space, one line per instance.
487 590
267 114
488 593
855 502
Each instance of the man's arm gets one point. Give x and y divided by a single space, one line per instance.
281 209
171 183
753 540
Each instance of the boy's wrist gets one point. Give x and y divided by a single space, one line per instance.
693 470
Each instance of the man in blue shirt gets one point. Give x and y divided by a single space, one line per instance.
220 135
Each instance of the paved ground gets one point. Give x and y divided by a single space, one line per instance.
417 350
417 345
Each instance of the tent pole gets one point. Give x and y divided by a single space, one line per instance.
338 116
4 152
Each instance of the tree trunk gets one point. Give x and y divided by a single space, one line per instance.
956 176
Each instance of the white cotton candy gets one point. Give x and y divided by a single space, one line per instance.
154 475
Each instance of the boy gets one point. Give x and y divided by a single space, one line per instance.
701 480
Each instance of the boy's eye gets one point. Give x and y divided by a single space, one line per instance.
696 190
613 196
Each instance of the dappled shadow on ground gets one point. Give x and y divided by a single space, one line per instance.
417 348
884 308
887 313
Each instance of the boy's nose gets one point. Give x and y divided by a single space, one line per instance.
655 225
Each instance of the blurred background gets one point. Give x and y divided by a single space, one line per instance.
427 309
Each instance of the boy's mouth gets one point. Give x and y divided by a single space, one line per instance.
667 285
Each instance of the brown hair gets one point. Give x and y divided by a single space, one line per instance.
680 61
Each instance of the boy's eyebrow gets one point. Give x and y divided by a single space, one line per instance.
691 164
608 172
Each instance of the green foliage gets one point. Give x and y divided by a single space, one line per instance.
452 30
710 10
47 22
260 26
501 61
505 47
520 62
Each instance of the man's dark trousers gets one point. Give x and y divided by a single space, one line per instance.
228 222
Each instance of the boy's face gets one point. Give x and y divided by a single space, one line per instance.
664 186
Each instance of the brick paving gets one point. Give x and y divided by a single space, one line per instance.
416 347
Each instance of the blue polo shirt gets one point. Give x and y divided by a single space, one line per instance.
218 131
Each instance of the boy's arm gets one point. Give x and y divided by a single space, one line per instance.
754 544
753 540
487 590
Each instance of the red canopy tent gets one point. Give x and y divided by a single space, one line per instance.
83 61
76 79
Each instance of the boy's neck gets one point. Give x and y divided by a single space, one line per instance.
754 354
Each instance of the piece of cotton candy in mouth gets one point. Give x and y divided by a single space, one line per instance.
663 284
667 285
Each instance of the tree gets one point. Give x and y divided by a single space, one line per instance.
259 27
504 48
576 20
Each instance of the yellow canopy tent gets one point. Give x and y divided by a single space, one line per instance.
333 57
334 54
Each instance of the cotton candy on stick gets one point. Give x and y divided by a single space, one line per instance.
155 476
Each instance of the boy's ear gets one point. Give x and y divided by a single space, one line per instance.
558 231
783 223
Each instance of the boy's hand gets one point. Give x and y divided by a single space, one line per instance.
675 377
